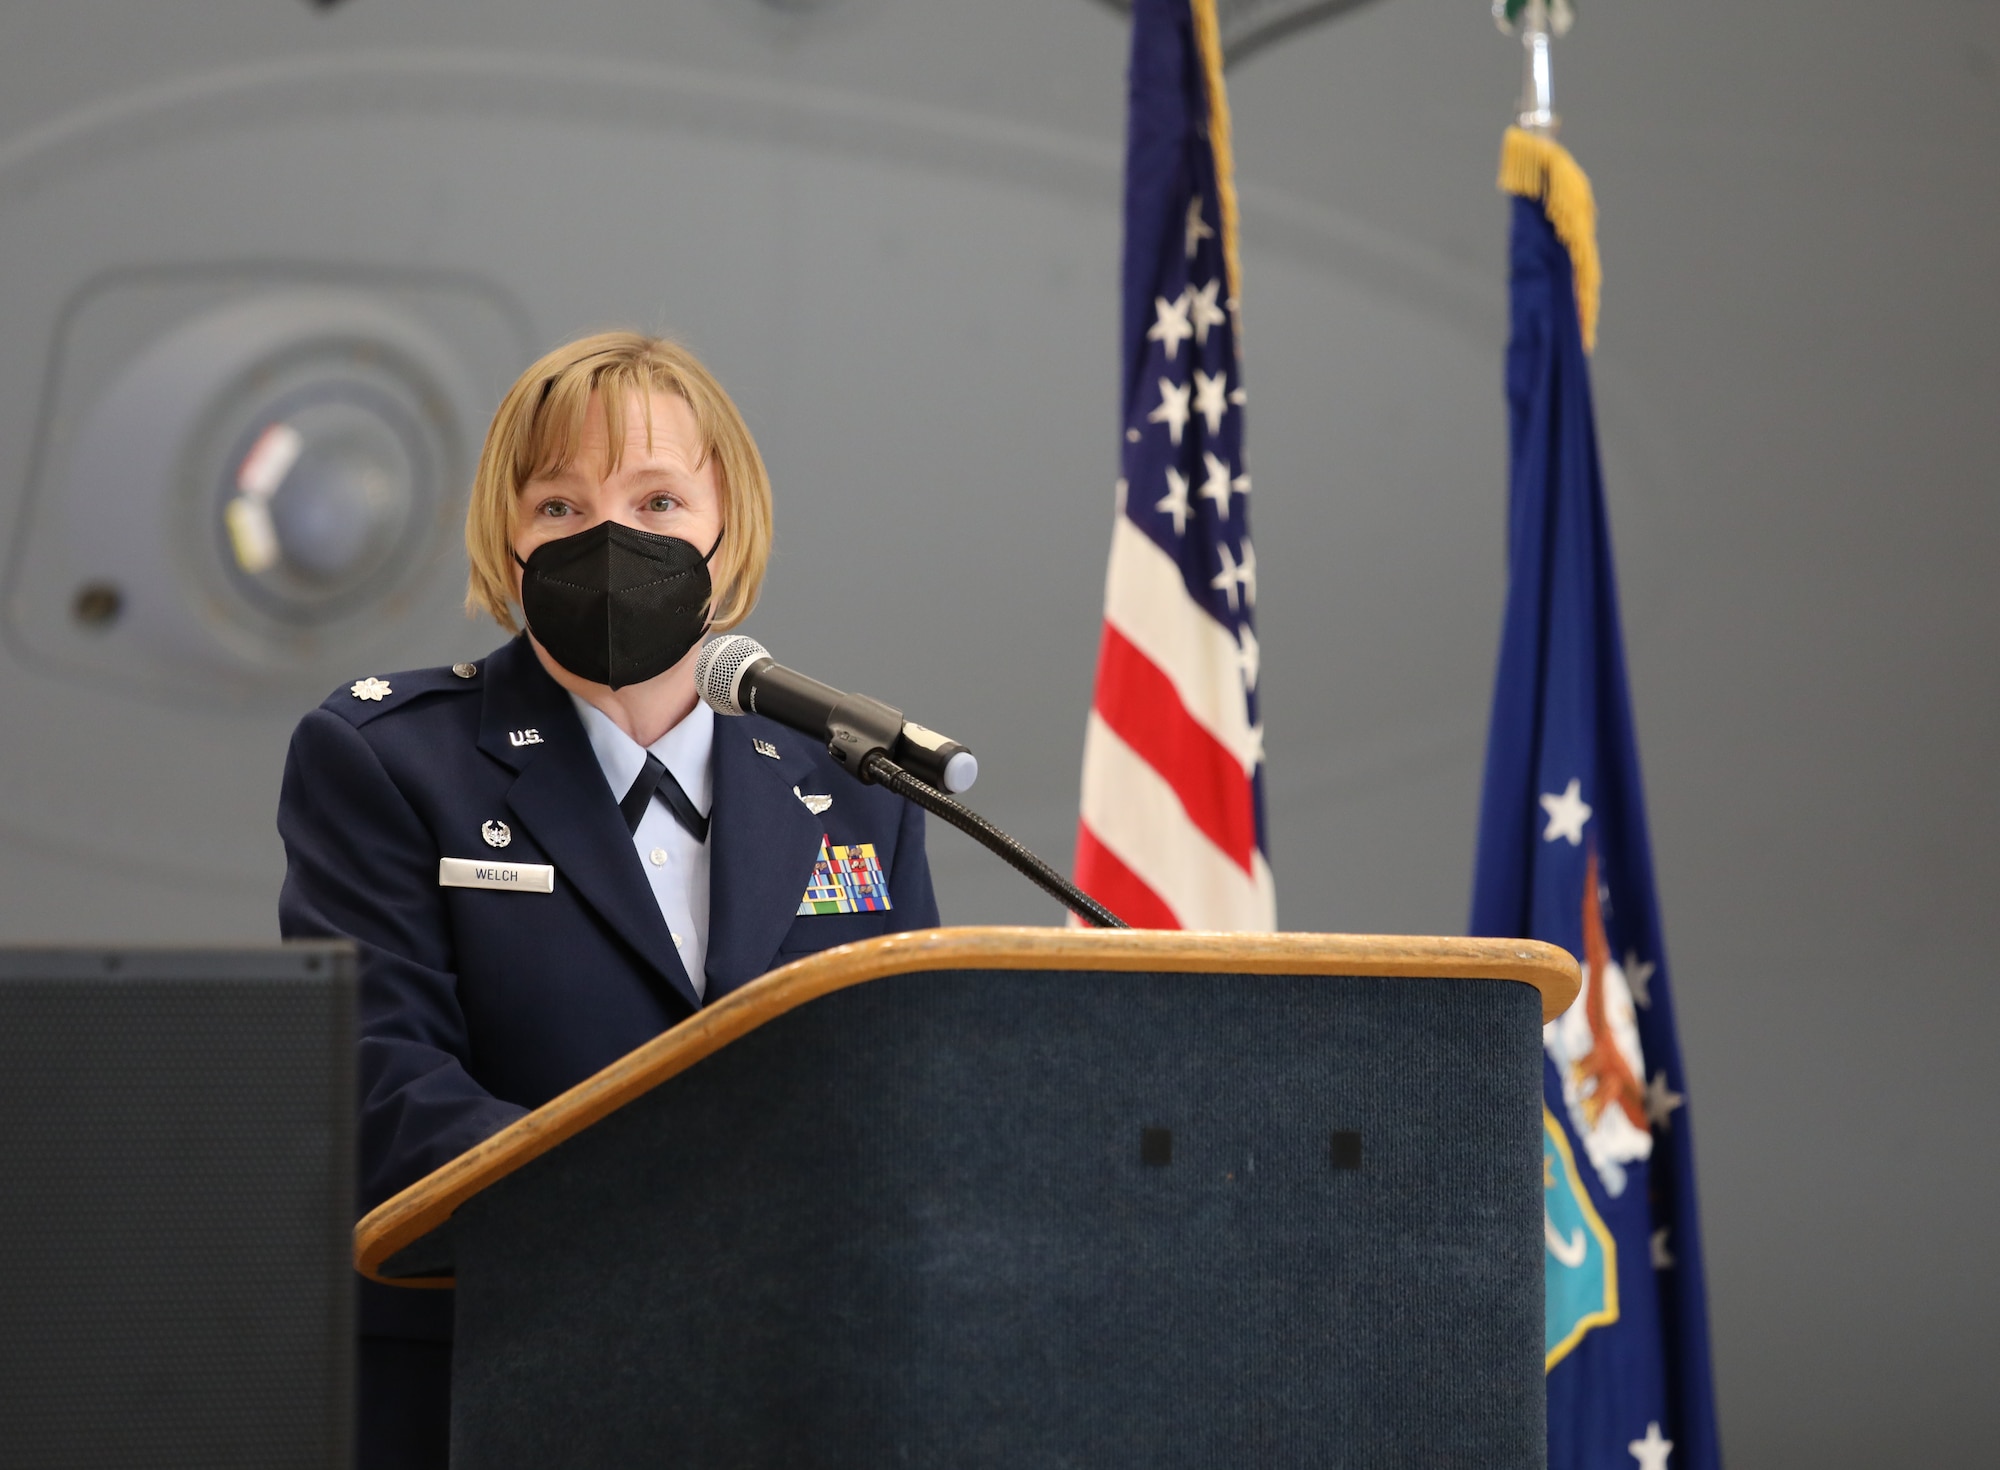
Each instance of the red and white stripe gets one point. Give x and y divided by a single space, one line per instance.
1168 838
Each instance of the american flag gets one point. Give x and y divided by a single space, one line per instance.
1172 833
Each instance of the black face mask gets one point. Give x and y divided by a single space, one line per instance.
614 605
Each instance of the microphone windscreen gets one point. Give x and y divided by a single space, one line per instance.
718 671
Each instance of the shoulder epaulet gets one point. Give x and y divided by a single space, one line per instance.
369 698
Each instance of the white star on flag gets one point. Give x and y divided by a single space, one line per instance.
1567 813
1652 1451
1197 228
1638 976
1661 1100
1173 409
1203 311
1242 484
1238 397
1216 486
1224 581
1246 574
1208 398
1246 655
1175 503
1170 328
1254 757
1663 1259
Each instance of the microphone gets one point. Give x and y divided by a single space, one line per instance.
737 675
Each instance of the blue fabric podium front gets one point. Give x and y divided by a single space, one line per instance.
1023 1198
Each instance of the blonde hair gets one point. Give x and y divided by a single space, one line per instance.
539 426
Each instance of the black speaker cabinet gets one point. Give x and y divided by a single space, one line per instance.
176 1192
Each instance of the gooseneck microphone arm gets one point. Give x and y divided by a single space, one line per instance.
878 769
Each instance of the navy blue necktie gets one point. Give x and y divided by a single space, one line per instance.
656 780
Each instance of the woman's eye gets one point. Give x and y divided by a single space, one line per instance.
555 508
661 503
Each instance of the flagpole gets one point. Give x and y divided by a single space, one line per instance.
1535 19
1535 166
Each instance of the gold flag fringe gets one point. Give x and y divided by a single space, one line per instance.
1208 36
1540 168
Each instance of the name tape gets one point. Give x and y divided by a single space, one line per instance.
472 873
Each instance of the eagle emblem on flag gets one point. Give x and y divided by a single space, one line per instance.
1595 1046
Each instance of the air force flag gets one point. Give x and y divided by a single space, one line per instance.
1564 857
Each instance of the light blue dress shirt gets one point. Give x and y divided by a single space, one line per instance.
675 864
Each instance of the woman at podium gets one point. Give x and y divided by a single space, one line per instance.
551 855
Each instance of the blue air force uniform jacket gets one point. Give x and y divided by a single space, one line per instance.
476 1004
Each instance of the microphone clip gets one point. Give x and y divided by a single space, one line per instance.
858 727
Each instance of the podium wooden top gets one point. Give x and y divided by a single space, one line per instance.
431 1201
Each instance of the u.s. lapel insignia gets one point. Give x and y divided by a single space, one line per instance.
765 747
814 804
497 834
846 880
370 689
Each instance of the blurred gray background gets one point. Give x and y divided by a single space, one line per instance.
892 228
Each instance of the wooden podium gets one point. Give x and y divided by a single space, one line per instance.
1022 1198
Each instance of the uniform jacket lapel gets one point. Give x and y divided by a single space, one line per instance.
561 798
763 845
